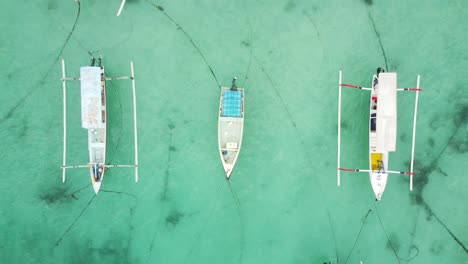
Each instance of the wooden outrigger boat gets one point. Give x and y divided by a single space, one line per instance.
230 125
382 128
94 119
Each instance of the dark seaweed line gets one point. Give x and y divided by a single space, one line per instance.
74 222
160 8
116 146
202 230
124 193
442 151
386 235
334 238
241 221
163 194
413 232
119 43
357 238
79 190
152 242
360 231
40 83
168 167
378 37
251 47
291 119
131 217
70 34
426 205
317 32
391 244
412 240
459 242
309 17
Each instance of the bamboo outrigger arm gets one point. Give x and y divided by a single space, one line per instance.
121 7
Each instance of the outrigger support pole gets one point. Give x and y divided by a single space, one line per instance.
76 166
387 172
64 85
121 7
119 166
118 78
354 86
414 132
134 121
95 164
339 128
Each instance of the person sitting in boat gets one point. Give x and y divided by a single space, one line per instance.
97 171
234 86
100 171
379 70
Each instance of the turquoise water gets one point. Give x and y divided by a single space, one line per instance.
282 204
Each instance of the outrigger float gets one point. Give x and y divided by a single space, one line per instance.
382 128
230 125
121 7
94 119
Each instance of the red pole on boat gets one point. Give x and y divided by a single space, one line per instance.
350 86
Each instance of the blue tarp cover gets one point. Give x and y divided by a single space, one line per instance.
232 104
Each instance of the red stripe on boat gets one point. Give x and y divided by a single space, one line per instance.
349 85
342 169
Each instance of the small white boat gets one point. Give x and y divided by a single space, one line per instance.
94 119
382 128
230 125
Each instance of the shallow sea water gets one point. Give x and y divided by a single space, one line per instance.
282 204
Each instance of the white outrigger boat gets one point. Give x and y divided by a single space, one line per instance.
230 125
382 128
94 119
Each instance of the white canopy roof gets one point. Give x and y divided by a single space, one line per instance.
387 112
91 110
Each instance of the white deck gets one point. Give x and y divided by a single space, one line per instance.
387 112
91 109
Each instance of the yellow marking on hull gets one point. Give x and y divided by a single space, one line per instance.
375 158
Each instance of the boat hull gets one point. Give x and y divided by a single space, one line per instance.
97 143
378 176
378 160
378 182
230 132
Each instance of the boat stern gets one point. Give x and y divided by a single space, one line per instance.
228 170
96 186
378 182
97 174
